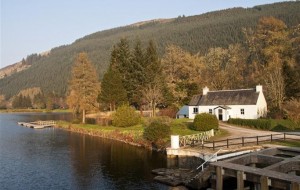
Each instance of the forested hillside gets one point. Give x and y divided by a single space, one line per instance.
193 34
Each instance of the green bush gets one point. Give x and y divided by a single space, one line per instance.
265 124
157 131
205 122
125 116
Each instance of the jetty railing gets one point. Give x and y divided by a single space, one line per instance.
49 122
195 138
213 156
249 140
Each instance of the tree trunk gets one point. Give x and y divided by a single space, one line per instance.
153 109
83 116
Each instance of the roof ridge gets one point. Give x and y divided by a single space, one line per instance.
232 90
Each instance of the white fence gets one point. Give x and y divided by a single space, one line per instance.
195 138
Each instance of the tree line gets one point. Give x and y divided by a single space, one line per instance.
194 34
139 77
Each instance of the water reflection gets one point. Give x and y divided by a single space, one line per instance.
55 159
120 165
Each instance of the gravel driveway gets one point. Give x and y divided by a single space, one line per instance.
251 137
235 132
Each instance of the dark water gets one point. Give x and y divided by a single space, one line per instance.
55 159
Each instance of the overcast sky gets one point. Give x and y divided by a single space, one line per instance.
35 26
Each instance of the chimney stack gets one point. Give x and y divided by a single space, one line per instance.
205 90
259 88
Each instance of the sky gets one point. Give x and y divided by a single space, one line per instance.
35 26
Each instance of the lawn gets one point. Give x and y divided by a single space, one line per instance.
182 127
178 127
288 143
284 125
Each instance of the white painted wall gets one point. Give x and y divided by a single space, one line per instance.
250 111
261 105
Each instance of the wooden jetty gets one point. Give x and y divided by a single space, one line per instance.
38 124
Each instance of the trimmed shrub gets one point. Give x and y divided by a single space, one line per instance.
125 116
265 124
205 122
157 131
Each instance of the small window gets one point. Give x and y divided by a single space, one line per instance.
210 111
242 112
195 110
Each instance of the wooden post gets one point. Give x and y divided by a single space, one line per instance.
295 186
283 136
256 140
219 179
271 138
264 182
240 180
243 141
227 143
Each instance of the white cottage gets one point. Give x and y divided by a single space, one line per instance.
225 104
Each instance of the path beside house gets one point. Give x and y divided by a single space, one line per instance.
240 137
235 131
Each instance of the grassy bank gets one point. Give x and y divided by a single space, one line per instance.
289 143
131 135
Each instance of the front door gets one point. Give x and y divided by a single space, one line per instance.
220 113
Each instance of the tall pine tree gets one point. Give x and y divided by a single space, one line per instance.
121 60
137 74
113 92
153 67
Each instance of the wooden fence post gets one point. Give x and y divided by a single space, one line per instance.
271 138
283 136
243 141
256 140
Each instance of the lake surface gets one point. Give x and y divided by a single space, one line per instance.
52 158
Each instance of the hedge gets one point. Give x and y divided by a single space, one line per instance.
265 124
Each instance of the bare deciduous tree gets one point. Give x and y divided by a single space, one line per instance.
152 95
275 82
292 107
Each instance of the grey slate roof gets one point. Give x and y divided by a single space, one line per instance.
226 97
184 110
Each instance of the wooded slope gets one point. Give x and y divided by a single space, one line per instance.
194 34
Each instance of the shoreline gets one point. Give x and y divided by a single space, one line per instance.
112 135
34 111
